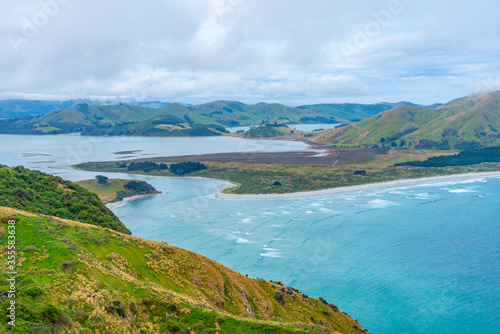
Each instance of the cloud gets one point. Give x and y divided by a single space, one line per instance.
281 51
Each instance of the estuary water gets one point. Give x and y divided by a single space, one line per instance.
419 258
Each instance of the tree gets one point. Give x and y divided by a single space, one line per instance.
102 179
382 140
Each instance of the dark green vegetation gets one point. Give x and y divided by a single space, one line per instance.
38 192
145 166
464 158
160 119
187 167
268 131
78 278
101 179
115 190
466 123
180 168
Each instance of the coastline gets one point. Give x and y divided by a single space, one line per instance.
113 205
341 190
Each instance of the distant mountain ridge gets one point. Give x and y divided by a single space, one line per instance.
464 123
173 119
19 108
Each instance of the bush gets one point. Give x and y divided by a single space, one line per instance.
280 297
31 249
33 291
41 328
81 316
50 313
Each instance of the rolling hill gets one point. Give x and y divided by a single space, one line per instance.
465 123
31 108
139 119
353 112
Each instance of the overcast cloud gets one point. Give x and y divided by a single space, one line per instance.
289 51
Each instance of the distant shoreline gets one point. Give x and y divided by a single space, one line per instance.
341 190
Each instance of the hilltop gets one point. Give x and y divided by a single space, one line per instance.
465 123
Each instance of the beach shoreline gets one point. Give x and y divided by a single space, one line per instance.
218 190
113 205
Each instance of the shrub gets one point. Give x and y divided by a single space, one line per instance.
81 316
31 249
34 291
41 328
50 313
280 297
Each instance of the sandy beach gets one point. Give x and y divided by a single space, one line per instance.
114 205
341 190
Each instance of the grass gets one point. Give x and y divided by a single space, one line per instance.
125 284
106 192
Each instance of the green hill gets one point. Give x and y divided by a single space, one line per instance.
42 193
140 119
465 123
354 112
270 130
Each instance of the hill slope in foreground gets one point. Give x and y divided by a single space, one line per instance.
43 193
80 278
465 123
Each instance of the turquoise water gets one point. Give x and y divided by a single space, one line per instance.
411 259
416 259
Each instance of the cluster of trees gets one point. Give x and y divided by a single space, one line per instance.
146 166
179 168
469 157
133 188
186 167
38 192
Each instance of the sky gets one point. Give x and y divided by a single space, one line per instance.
287 51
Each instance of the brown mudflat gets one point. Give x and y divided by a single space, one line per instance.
322 155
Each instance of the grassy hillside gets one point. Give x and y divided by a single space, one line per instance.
355 112
38 192
164 126
465 123
79 278
271 131
82 117
33 108
117 189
